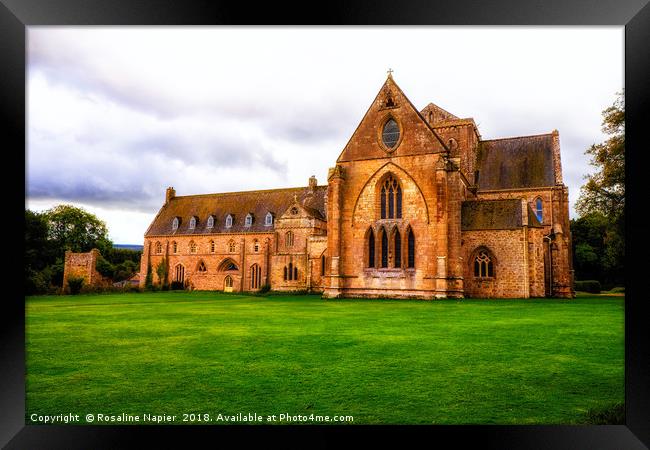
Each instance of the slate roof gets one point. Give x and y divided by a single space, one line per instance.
495 215
237 204
519 162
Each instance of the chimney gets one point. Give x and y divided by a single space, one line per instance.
171 193
312 183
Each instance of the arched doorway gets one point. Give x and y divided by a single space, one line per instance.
227 284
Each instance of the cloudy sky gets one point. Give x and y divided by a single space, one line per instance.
117 114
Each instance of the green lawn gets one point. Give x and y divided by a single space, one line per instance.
381 361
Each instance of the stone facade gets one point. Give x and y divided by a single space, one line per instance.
82 265
418 205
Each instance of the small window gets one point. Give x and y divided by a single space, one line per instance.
212 247
294 211
288 239
202 267
256 246
228 221
210 223
158 248
268 220
249 220
174 247
175 223
390 134
538 209
231 246
322 265
192 223
483 265
192 247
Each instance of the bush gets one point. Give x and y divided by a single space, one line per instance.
264 289
609 415
177 285
74 284
591 286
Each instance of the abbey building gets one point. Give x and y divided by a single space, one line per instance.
417 205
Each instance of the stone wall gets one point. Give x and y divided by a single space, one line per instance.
82 265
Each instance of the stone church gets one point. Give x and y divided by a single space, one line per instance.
418 205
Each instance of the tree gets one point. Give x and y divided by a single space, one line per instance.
161 271
604 192
75 229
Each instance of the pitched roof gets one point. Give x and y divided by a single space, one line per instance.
237 204
495 215
518 162
438 114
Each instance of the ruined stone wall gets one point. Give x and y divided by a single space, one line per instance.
82 265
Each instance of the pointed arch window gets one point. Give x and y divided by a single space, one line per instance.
179 273
288 238
192 223
249 220
390 133
231 246
397 246
483 265
210 223
411 249
322 265
384 248
228 221
201 267
227 283
371 249
175 223
268 220
255 276
391 199
192 247
158 248
538 209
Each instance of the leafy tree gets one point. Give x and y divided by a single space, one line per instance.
604 194
75 229
588 234
605 189
161 271
148 281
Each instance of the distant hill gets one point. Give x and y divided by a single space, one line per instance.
129 247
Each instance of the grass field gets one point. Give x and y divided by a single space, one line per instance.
381 361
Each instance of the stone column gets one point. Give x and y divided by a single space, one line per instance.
335 203
441 227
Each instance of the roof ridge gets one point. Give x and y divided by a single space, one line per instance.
517 137
248 192
440 108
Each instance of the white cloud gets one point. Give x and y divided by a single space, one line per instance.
117 114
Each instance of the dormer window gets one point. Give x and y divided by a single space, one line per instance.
210 223
268 221
175 223
249 220
192 223
228 221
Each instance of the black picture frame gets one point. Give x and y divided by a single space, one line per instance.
16 15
